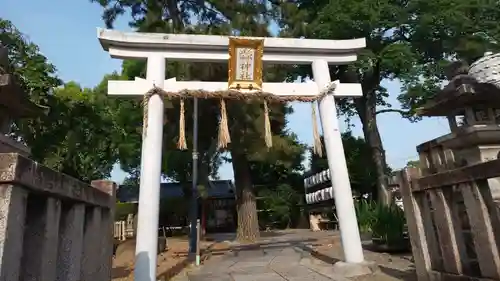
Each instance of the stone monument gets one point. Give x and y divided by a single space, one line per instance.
472 106
14 104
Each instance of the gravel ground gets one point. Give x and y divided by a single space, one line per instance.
327 247
169 263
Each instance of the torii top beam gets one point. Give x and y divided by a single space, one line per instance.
183 47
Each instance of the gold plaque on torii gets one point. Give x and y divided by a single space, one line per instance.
245 63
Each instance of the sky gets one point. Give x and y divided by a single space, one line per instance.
66 33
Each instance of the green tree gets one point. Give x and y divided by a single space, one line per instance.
246 119
177 164
72 135
278 182
413 164
385 57
406 40
131 181
362 171
82 132
280 205
280 165
442 32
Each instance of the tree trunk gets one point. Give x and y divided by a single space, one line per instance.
367 114
248 224
366 107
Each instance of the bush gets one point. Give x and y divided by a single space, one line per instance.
389 225
385 223
278 206
123 209
365 212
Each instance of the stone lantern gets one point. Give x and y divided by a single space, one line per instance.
471 103
14 104
487 69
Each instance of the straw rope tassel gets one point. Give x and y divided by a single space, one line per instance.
317 147
145 101
224 137
267 126
181 144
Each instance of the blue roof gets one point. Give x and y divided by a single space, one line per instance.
217 189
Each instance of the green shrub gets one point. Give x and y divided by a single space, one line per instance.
389 224
385 223
123 209
365 212
278 206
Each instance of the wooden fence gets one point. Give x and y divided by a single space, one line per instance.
120 230
453 222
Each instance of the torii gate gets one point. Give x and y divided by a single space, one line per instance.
157 48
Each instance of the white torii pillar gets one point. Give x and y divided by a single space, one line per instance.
157 47
344 204
150 180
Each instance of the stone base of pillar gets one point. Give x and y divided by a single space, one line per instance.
350 270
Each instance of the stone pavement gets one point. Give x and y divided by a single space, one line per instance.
283 258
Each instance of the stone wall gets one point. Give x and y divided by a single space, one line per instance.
52 226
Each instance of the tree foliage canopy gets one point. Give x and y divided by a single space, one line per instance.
410 40
362 171
73 136
246 120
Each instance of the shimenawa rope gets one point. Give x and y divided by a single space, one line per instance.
268 137
317 147
224 137
181 144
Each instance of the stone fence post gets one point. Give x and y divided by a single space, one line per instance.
52 226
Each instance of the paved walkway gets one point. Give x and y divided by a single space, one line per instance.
283 258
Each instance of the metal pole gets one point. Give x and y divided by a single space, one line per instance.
194 199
